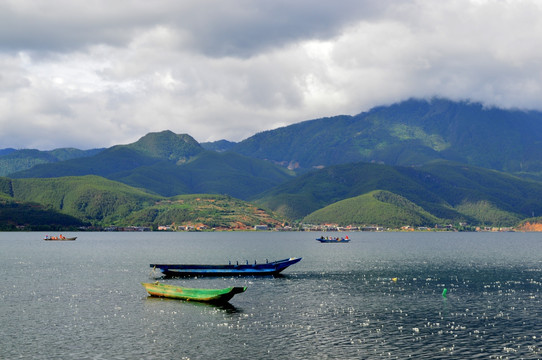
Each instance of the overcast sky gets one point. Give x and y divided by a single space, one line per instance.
90 74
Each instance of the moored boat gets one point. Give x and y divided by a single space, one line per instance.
191 294
267 268
59 238
329 239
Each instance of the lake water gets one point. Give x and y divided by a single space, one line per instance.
378 297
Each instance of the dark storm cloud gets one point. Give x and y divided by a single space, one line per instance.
104 72
216 28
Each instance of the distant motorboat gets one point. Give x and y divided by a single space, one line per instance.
59 238
330 239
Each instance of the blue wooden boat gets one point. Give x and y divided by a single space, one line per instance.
267 268
329 239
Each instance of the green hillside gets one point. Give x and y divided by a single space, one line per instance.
375 208
17 214
114 159
167 145
150 149
412 132
433 154
208 172
168 164
214 211
218 146
89 198
71 202
447 191
312 191
488 214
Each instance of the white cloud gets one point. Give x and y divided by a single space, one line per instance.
96 74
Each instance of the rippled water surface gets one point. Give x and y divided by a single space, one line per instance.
379 296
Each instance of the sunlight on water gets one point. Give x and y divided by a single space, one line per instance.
380 296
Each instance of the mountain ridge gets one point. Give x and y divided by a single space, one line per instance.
412 132
423 151
450 192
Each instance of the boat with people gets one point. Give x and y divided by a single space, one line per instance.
59 238
191 294
268 268
330 239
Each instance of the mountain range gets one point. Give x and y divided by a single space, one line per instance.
418 162
412 132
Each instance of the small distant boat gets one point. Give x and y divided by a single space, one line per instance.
329 239
59 238
183 293
267 268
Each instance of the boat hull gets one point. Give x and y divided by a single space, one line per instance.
191 294
272 268
61 239
333 240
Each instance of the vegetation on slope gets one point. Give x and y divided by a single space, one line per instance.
447 191
169 164
150 149
32 216
211 211
312 191
487 213
167 145
374 208
19 160
412 132
218 146
531 224
208 172
92 200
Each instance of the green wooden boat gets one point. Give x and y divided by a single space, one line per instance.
183 293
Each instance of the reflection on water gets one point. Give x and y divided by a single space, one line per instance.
226 307
380 296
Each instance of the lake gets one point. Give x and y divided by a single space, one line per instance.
378 297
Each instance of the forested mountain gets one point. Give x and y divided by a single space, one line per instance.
169 164
6 151
446 192
73 202
218 146
422 162
17 215
150 149
12 160
377 207
209 173
413 132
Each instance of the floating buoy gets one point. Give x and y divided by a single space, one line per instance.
444 292
394 279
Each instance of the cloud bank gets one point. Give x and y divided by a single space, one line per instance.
96 74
